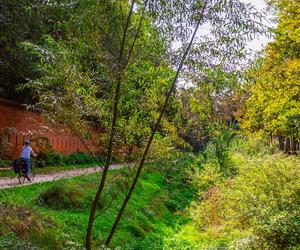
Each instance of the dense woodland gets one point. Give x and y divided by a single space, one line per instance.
214 131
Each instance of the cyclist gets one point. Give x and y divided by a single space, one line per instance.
25 156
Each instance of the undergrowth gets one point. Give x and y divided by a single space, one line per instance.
255 207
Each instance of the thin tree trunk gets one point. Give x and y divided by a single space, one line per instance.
139 170
137 32
287 145
294 145
112 133
271 140
281 142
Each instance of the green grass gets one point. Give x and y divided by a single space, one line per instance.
151 215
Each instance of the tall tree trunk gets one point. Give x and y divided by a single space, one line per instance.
139 170
112 132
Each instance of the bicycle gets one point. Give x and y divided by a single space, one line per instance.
21 176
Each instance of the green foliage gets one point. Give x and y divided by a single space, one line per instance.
84 95
62 197
253 146
215 163
220 146
205 107
58 159
257 208
25 21
76 63
274 84
264 198
205 178
5 163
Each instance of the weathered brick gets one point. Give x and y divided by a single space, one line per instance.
31 125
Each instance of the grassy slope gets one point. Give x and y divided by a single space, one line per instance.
258 208
61 224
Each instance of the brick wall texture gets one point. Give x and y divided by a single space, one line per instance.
18 124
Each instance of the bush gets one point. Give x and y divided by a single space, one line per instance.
281 230
258 207
206 178
220 147
262 201
5 163
252 146
215 164
70 197
57 159
81 158
263 188
61 197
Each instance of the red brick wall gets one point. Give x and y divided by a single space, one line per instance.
21 124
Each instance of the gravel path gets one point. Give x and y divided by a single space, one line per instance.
7 182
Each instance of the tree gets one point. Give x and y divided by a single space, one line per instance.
26 21
81 76
204 12
206 101
86 73
274 82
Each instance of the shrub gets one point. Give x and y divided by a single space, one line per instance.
253 146
57 159
54 159
80 158
220 147
206 178
281 230
61 197
5 163
262 200
257 208
70 197
215 164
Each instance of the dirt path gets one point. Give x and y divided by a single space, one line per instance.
7 182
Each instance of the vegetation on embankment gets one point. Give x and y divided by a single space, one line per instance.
54 215
249 201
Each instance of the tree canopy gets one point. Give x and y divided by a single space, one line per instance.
273 105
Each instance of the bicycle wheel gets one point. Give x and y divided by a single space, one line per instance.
21 178
31 177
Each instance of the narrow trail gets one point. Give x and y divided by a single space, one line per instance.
8 182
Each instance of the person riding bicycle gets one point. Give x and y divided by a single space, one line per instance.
25 156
